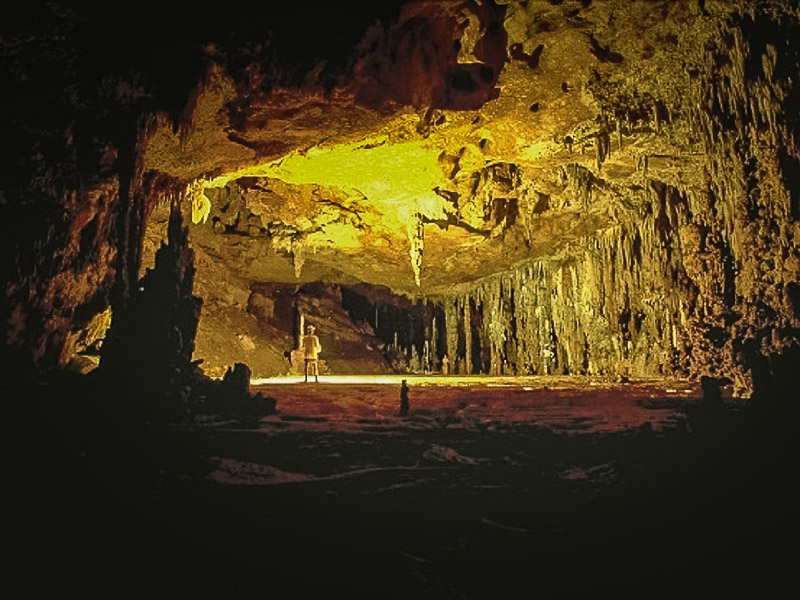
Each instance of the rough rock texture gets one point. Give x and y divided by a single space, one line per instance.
750 138
593 187
153 332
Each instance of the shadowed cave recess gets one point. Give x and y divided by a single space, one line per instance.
590 188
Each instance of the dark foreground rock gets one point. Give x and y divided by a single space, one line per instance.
105 507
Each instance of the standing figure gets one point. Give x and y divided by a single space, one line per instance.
403 398
311 349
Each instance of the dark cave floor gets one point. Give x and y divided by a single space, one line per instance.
475 495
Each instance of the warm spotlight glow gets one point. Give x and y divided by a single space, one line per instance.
538 150
389 185
551 382
201 207
397 179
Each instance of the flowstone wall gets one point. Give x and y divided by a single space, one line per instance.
616 303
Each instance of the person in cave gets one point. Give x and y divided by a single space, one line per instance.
311 349
445 365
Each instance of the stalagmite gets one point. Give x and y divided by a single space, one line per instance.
433 337
468 359
300 331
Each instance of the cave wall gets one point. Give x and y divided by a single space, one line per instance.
693 279
409 332
745 116
681 253
77 104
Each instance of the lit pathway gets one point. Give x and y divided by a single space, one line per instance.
572 404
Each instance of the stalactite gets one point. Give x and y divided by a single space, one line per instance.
451 327
602 144
298 253
468 358
495 324
410 339
416 239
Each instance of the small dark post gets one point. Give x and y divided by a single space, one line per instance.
712 391
403 398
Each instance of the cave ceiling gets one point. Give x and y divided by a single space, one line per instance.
466 139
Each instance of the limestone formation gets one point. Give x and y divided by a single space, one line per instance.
603 187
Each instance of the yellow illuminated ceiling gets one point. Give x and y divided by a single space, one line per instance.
397 179
343 185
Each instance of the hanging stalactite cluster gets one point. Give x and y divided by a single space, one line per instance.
609 304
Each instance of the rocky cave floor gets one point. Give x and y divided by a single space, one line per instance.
495 488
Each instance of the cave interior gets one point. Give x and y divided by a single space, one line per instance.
600 190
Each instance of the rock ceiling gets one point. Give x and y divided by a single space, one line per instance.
468 138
